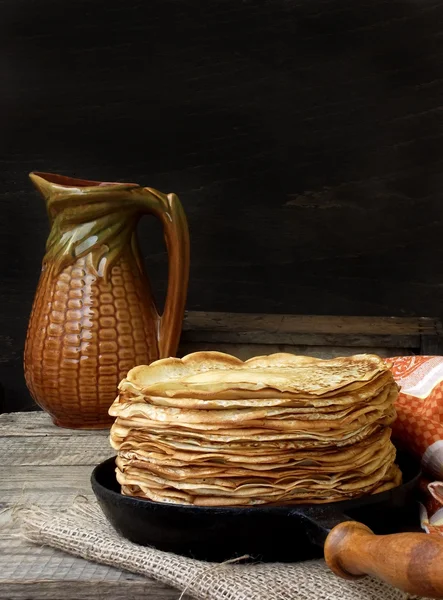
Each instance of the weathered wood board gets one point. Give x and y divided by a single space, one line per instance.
48 466
246 335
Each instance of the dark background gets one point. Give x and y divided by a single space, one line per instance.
304 138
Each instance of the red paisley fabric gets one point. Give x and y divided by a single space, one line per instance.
419 426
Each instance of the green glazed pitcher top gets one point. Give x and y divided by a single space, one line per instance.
93 218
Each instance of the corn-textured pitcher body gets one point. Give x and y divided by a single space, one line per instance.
93 316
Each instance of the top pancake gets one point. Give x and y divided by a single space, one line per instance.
215 375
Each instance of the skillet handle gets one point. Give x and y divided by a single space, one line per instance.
412 562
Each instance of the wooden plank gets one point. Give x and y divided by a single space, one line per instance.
298 330
431 345
56 450
51 478
13 499
36 474
91 588
304 339
29 571
29 495
38 423
310 324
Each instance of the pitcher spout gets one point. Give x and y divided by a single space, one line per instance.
59 191
46 183
42 182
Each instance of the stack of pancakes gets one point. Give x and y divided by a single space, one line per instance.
212 430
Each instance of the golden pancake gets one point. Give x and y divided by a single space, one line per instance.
208 374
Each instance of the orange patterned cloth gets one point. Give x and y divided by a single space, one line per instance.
419 426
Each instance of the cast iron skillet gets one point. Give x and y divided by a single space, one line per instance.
411 561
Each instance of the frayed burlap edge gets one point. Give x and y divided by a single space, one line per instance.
82 530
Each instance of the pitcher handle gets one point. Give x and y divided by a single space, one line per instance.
168 208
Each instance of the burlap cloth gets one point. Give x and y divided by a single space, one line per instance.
82 530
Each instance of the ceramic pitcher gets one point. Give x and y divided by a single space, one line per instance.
94 316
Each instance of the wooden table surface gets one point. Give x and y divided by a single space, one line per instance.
45 465
48 466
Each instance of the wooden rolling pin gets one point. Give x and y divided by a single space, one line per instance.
412 562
